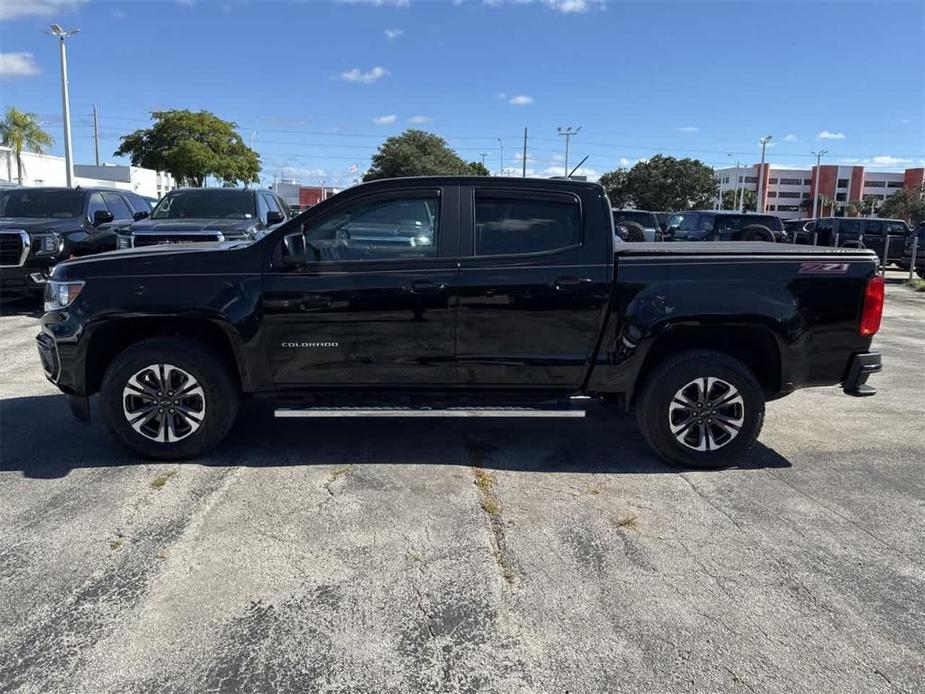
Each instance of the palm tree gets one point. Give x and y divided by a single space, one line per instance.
21 131
731 200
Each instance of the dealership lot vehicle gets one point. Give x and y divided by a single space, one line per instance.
720 225
860 232
42 226
346 558
518 307
914 245
647 221
188 215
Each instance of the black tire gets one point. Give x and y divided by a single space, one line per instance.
220 397
634 232
658 396
756 232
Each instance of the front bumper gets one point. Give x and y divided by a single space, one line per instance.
859 370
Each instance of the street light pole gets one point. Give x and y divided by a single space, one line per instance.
818 156
501 145
56 30
762 179
567 133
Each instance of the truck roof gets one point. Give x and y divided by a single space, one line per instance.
734 248
482 181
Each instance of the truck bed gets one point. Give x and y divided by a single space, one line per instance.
734 248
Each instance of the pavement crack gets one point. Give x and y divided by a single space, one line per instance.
484 481
711 503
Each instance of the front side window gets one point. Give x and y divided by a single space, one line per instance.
206 204
381 229
515 226
896 228
117 206
36 203
96 205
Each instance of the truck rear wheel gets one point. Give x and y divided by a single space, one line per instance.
169 398
701 409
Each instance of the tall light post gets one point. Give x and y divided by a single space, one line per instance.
501 145
62 34
818 156
567 133
735 187
762 179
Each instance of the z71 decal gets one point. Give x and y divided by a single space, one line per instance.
824 268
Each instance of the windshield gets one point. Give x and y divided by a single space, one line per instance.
645 219
206 204
37 203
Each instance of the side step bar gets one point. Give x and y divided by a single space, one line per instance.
427 412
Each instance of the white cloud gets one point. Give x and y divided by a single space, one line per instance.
624 162
790 138
15 65
689 129
829 135
385 120
563 6
419 120
520 100
392 34
377 3
905 121
355 75
887 160
10 9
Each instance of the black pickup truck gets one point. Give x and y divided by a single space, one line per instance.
513 302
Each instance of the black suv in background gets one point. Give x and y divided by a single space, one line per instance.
719 225
859 232
905 261
189 215
639 221
42 226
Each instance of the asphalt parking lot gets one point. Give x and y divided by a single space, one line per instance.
467 556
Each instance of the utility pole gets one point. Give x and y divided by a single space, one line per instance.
818 156
567 133
524 175
56 30
762 182
501 145
96 134
483 155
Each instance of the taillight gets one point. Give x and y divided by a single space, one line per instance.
872 310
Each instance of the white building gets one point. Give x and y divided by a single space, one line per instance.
48 170
787 189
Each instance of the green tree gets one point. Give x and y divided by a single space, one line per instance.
477 168
20 132
666 183
614 183
731 199
905 204
416 153
191 146
864 207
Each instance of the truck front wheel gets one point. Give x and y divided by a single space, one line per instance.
701 409
169 398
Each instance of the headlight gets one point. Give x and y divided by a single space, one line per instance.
124 242
60 294
46 243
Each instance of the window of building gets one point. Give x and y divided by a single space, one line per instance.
751 179
772 180
513 226
788 208
790 194
791 181
894 184
874 184
772 208
842 182
772 194
841 197
379 229
807 181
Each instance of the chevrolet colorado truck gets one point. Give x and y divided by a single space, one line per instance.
506 298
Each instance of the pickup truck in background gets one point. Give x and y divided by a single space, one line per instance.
518 305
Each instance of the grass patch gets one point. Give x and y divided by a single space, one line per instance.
339 472
116 544
916 284
162 479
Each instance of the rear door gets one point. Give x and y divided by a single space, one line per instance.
376 302
534 280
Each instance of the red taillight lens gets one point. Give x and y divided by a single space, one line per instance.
872 310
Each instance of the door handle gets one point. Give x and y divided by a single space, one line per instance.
425 287
313 301
568 283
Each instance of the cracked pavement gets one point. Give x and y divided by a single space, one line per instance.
361 555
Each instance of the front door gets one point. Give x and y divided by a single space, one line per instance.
533 286
376 302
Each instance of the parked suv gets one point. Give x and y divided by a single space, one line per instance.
647 222
905 261
718 225
860 232
188 215
42 226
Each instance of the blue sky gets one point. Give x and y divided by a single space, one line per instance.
326 82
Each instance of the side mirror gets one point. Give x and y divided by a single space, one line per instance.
102 217
275 217
294 251
140 215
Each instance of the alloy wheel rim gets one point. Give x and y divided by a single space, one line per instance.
706 414
164 403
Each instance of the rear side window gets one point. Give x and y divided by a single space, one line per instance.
514 226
